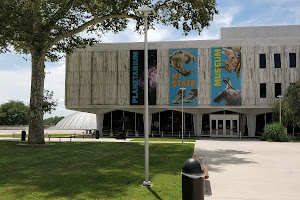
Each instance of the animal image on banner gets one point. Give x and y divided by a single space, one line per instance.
226 76
183 74
137 77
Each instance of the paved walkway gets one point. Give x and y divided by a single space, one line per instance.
251 170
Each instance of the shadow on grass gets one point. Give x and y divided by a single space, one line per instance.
154 193
87 170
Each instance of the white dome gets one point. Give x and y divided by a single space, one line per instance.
78 121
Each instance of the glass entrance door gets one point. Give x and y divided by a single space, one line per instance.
228 127
220 127
235 128
213 127
224 125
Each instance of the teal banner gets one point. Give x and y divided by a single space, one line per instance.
226 76
183 76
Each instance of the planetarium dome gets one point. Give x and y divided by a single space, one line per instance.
78 121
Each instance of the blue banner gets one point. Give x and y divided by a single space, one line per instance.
226 76
183 74
137 77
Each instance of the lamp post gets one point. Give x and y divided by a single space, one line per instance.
280 96
182 89
145 12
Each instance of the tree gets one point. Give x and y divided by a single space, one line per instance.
49 103
292 97
47 28
14 113
52 120
285 113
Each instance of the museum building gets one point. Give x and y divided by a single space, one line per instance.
227 87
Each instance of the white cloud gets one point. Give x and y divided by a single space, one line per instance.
15 85
226 16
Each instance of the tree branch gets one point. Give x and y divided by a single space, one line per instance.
128 6
59 13
87 7
162 5
81 28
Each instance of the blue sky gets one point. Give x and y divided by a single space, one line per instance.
15 71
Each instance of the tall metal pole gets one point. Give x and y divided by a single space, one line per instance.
280 110
280 96
145 12
182 118
146 122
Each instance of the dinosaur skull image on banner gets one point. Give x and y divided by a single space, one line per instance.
183 74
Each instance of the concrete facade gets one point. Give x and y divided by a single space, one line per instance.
98 77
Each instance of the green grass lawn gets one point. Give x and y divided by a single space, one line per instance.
164 139
91 171
53 135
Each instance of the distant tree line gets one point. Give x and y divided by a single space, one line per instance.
17 113
14 113
52 120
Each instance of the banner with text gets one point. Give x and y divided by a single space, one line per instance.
137 77
183 74
226 76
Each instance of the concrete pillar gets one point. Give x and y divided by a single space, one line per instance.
243 122
251 125
197 119
99 121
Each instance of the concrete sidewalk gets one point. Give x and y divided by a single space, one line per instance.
251 170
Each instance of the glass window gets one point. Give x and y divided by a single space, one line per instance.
262 60
213 127
292 60
277 60
166 121
277 89
234 127
262 90
220 127
107 121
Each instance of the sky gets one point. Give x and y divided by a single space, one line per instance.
15 69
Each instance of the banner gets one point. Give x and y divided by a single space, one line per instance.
137 77
183 74
226 76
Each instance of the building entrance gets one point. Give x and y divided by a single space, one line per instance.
224 125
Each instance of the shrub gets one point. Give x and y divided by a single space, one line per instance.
276 132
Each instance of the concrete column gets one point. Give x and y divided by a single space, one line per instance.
99 121
251 124
242 119
197 119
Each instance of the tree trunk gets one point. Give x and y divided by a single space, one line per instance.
36 126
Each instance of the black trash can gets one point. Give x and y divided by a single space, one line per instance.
193 180
97 134
23 135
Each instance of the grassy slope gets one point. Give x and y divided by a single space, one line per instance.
90 171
